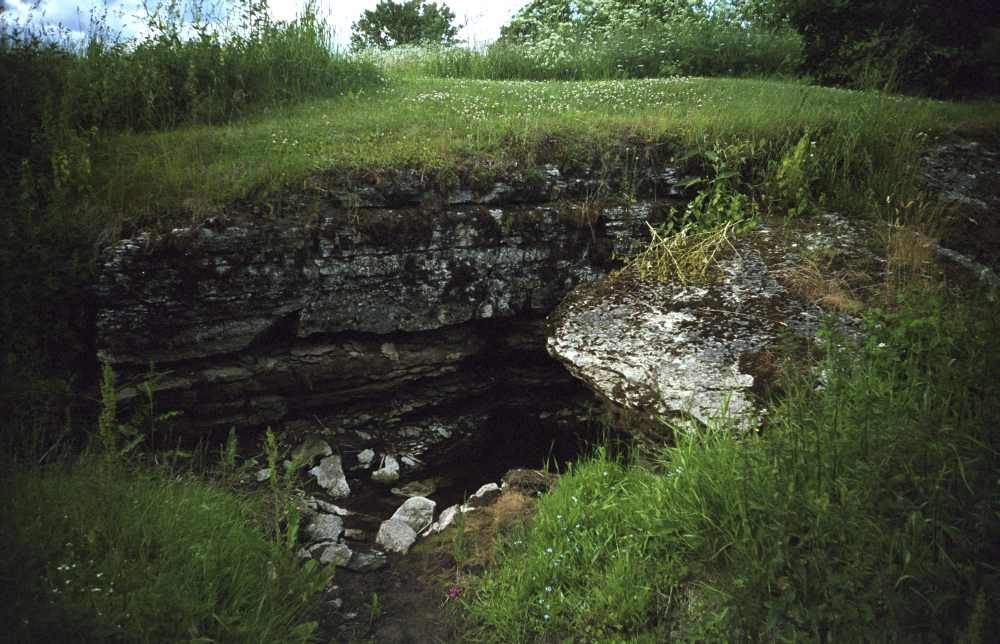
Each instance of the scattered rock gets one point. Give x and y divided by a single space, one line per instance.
365 458
410 461
396 536
485 495
325 527
330 476
319 505
355 534
388 472
366 561
426 487
311 448
338 554
417 512
312 550
263 475
447 517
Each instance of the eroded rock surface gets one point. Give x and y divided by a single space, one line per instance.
675 350
397 335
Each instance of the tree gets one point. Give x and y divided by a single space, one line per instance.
540 17
413 22
927 46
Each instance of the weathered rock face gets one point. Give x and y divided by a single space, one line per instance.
669 349
402 330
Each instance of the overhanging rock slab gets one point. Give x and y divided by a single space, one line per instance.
665 349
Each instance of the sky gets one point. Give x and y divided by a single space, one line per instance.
481 19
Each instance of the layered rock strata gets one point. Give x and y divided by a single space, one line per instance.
401 329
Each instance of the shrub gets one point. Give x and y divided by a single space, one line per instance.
919 46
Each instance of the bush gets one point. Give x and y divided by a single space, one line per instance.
920 46
96 552
864 512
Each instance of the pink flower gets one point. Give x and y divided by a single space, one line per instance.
454 592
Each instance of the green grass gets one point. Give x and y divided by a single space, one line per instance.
866 511
681 48
94 552
437 124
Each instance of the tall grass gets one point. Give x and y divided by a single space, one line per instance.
865 511
96 551
663 50
104 546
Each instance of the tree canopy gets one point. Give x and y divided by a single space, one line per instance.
411 22
927 46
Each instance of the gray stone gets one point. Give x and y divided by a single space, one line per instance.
410 461
312 550
487 493
416 512
388 472
355 534
426 487
366 561
446 518
689 350
263 475
324 527
319 505
365 458
330 476
311 448
338 554
396 536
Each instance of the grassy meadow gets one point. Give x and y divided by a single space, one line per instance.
437 124
867 509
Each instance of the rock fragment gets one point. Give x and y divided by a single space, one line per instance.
325 527
366 561
338 554
417 512
388 472
396 536
310 449
330 476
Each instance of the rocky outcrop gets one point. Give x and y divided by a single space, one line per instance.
397 332
695 351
